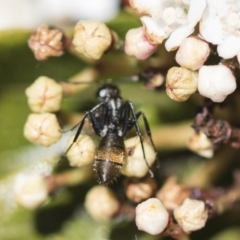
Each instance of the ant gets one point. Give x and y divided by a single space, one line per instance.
112 119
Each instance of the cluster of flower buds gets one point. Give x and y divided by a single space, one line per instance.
44 98
91 40
175 21
153 218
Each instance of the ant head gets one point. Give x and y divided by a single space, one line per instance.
107 91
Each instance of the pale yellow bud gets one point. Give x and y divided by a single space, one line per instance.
92 38
135 165
30 190
181 83
191 215
101 203
44 95
201 144
82 151
42 129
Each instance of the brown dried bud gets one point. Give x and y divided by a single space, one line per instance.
137 191
172 194
46 43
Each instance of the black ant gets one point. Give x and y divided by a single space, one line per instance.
112 119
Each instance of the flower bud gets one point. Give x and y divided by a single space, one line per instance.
192 53
151 216
136 165
101 203
42 129
216 82
191 215
181 83
137 191
46 43
44 95
201 144
137 45
172 194
82 152
30 190
92 38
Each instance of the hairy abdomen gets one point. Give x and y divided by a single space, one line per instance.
109 159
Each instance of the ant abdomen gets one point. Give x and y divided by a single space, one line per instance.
109 158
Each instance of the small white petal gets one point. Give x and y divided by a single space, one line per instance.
150 7
169 15
211 29
196 10
230 47
155 31
177 36
233 19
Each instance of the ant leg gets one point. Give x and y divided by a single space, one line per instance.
147 127
135 123
95 125
78 132
71 129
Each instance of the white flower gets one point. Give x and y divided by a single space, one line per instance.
220 25
169 18
216 82
151 216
